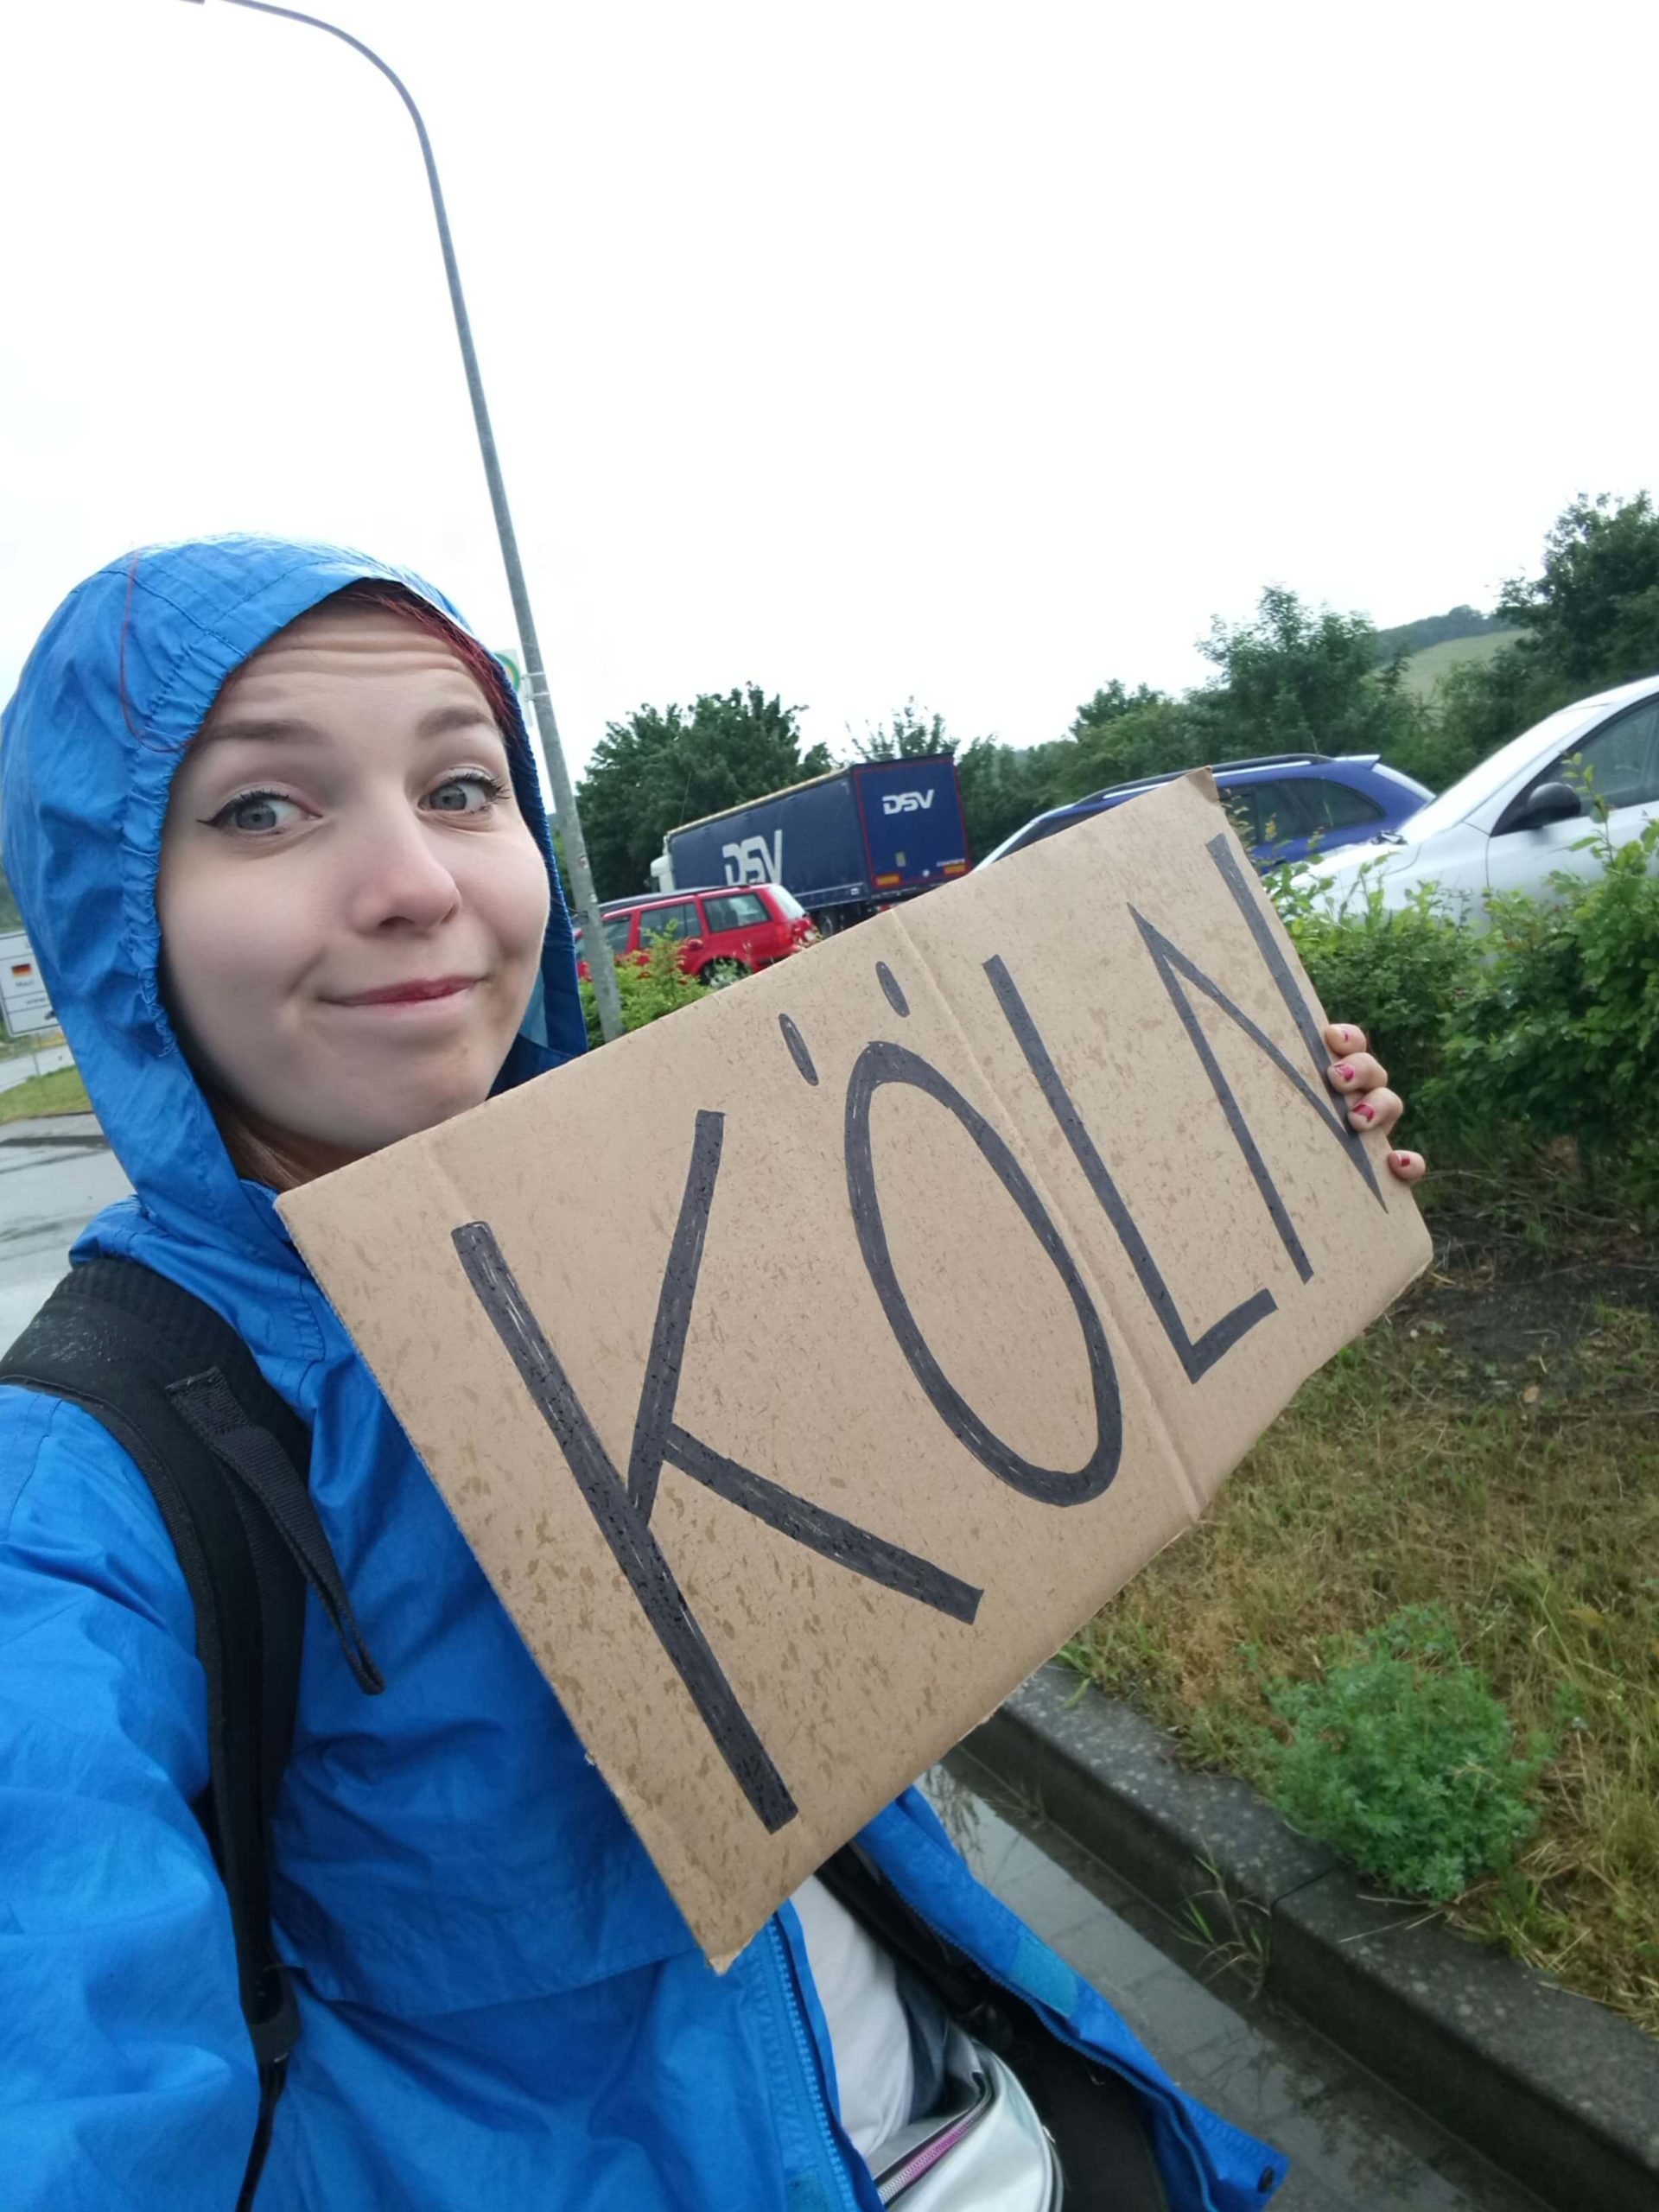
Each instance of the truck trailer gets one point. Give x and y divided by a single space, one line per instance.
845 843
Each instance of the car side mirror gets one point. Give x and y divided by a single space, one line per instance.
1547 803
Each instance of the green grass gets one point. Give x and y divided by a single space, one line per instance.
1493 1449
62 1091
1423 671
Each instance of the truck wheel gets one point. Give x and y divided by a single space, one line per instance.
717 974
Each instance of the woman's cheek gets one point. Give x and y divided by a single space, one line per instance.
225 949
526 901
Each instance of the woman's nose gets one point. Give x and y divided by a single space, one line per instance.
399 876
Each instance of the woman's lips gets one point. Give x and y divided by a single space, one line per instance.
416 992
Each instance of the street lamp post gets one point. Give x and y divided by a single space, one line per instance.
597 950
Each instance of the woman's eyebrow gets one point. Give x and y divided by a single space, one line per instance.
256 729
441 721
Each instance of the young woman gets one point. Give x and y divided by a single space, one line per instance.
271 818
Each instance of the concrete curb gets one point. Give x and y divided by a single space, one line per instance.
78 1129
1550 2086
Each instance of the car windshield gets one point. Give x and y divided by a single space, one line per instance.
616 932
1460 800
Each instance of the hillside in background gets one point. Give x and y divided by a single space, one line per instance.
1423 671
1409 638
1428 647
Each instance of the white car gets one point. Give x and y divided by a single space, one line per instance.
1514 821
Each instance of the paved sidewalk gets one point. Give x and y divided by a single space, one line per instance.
1355 2146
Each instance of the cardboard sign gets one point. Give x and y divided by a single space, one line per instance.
805 1368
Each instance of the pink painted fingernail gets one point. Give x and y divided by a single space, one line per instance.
1344 1075
1365 1108
1399 1159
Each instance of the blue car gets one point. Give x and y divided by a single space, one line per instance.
1285 803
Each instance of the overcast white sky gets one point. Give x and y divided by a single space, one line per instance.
862 351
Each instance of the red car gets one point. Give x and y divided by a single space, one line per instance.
721 934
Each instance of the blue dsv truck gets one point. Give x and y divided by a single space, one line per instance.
844 843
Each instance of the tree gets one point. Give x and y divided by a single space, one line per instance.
1003 785
1296 679
1117 737
1300 678
1110 704
1592 617
1589 621
906 735
663 767
1121 735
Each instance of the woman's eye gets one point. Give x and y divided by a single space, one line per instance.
474 792
258 814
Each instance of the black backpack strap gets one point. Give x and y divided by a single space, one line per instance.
226 1459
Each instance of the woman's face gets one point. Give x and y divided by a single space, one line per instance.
352 907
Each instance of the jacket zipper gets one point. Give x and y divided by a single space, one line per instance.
807 2060
891 2182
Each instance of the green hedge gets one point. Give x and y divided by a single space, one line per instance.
1538 1035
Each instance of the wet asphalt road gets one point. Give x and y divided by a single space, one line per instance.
49 1192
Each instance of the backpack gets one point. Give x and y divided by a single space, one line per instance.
227 1461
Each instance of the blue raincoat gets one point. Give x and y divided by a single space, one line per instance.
502 2006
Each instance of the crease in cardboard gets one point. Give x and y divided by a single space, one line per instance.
1062 1213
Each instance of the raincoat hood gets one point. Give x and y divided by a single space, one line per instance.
118 683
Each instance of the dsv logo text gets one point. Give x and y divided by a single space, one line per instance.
752 859
906 801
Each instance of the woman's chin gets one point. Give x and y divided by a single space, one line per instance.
389 1122
318 1126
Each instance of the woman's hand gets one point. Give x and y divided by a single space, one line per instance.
1363 1083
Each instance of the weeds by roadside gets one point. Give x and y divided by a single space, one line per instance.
1235 1931
1399 1754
